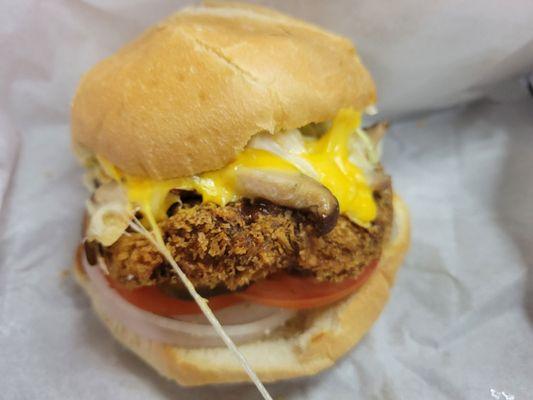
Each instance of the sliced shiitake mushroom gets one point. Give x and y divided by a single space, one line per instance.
377 131
292 190
92 251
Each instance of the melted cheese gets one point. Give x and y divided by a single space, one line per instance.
328 156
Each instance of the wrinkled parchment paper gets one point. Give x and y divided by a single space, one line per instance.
459 325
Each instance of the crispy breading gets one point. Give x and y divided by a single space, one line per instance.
348 247
243 242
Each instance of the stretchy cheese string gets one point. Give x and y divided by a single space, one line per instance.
156 239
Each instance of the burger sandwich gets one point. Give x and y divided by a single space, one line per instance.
240 225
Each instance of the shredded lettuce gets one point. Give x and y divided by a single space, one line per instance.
109 214
288 145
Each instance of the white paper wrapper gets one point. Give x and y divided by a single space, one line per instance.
459 325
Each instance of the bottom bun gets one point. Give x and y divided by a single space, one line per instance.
308 345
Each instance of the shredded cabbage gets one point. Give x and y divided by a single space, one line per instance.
288 145
109 214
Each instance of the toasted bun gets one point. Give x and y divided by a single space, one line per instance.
327 334
187 95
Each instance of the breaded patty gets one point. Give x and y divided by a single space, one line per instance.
229 247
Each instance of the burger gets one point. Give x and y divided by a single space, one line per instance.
239 225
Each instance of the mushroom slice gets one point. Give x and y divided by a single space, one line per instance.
377 131
292 190
92 251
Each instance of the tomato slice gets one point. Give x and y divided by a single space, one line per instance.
295 292
280 290
152 299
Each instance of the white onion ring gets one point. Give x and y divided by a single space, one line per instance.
243 322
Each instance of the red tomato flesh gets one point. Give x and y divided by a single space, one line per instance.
152 299
280 290
295 292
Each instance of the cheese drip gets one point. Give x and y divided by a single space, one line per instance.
328 157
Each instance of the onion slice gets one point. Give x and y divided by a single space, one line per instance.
243 322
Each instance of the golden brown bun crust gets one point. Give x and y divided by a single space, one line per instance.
329 334
187 95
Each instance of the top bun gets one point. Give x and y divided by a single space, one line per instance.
188 94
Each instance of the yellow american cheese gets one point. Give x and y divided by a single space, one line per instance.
328 155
